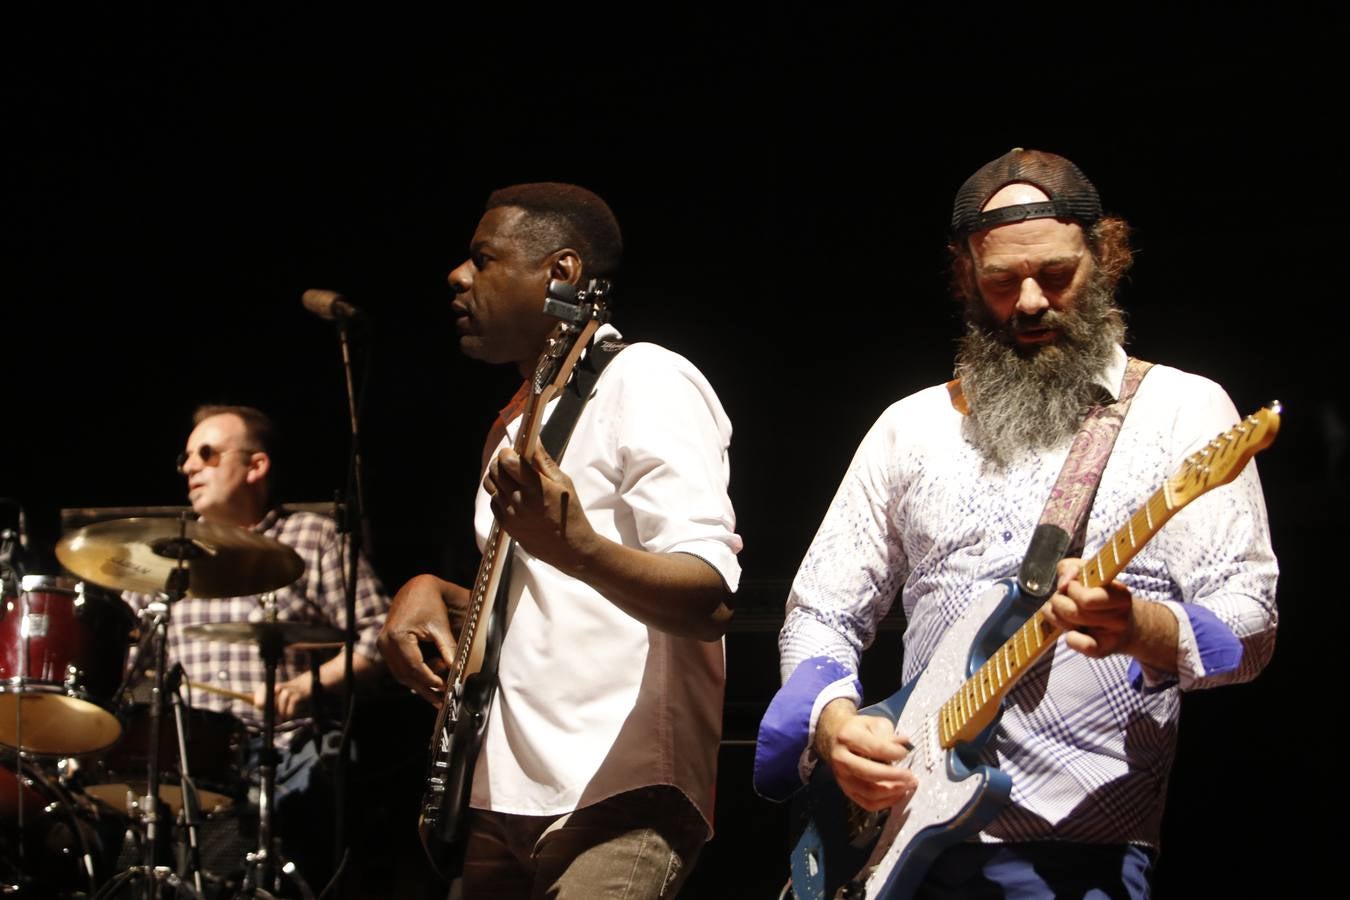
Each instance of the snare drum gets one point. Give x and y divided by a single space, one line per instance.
63 650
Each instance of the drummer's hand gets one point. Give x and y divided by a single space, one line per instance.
292 697
420 615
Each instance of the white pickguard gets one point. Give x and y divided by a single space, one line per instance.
940 799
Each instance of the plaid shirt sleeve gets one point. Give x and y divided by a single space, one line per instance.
320 596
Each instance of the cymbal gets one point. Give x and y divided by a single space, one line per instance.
139 555
303 635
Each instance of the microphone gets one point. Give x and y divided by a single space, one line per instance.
329 305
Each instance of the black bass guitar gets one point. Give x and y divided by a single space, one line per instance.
472 682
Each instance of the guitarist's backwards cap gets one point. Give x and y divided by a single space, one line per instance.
1072 196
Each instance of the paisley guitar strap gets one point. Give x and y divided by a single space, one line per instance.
1063 526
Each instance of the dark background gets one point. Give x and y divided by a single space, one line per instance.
175 175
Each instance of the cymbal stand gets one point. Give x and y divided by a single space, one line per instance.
175 588
263 868
191 806
155 613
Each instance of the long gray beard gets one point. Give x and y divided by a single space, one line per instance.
1030 398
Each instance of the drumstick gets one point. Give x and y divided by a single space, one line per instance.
223 692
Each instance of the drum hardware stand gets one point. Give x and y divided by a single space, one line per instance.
208 560
21 832
264 867
175 589
191 806
154 875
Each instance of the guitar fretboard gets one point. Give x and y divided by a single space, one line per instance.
473 617
975 704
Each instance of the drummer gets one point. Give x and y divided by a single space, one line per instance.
227 463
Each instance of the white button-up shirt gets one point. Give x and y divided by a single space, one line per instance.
592 702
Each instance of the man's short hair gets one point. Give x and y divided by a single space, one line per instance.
262 434
565 215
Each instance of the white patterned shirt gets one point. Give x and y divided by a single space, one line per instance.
1088 748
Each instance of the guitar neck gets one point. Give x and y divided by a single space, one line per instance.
472 638
497 547
975 705
970 710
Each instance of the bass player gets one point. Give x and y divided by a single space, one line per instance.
598 765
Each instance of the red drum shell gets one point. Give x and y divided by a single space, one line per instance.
61 668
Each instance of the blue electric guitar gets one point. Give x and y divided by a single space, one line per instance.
949 710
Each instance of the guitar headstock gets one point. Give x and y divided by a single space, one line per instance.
580 311
1222 459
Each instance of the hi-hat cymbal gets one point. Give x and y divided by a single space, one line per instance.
140 554
295 634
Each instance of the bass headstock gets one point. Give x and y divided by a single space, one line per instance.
579 311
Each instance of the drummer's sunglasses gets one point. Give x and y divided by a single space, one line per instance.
209 455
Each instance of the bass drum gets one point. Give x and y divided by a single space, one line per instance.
51 840
63 650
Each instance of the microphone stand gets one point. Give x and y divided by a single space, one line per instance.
354 525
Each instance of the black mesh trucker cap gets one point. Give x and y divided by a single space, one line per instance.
1071 195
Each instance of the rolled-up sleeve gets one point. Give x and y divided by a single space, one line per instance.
845 585
671 451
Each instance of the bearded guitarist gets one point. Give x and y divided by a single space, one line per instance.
599 758
940 502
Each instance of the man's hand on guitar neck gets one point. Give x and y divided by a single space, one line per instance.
861 752
1104 620
537 504
420 615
